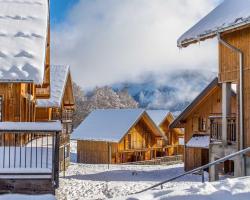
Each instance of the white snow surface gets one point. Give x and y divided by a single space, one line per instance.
107 124
181 141
228 15
31 126
90 182
201 141
26 197
58 80
157 116
23 35
229 189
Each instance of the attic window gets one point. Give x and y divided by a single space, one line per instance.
202 124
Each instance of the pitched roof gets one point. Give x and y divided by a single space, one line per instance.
158 116
23 37
211 85
58 80
107 124
199 141
228 15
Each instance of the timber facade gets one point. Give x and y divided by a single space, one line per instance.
172 146
201 121
142 140
234 68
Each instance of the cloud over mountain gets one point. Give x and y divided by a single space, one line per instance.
113 40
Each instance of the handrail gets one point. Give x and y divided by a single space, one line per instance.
202 168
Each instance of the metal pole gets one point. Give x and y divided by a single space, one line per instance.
64 166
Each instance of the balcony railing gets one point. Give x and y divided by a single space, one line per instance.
216 129
31 154
67 115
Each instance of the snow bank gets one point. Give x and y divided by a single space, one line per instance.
229 189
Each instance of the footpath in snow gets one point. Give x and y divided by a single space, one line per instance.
84 181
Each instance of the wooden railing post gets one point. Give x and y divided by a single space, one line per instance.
56 159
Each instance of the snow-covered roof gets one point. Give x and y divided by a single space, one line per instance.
158 116
31 126
58 80
23 37
107 124
199 141
228 15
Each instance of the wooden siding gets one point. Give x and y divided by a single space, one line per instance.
16 106
229 70
140 143
95 152
172 145
210 105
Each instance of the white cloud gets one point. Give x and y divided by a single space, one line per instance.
115 40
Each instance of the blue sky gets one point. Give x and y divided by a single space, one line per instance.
60 9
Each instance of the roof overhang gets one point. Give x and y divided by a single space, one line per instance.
212 34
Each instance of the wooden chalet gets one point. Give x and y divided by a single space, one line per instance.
198 120
230 23
59 106
171 144
117 136
29 134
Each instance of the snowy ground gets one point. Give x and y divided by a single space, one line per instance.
229 189
99 182
120 181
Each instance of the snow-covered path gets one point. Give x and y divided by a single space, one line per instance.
99 182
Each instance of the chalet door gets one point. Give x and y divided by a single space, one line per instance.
204 156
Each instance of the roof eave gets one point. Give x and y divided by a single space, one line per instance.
189 108
212 34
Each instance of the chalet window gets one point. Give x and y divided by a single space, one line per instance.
1 108
202 124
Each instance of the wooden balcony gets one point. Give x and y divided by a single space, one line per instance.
42 92
67 116
216 129
29 157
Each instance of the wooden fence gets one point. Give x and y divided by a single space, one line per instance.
166 160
